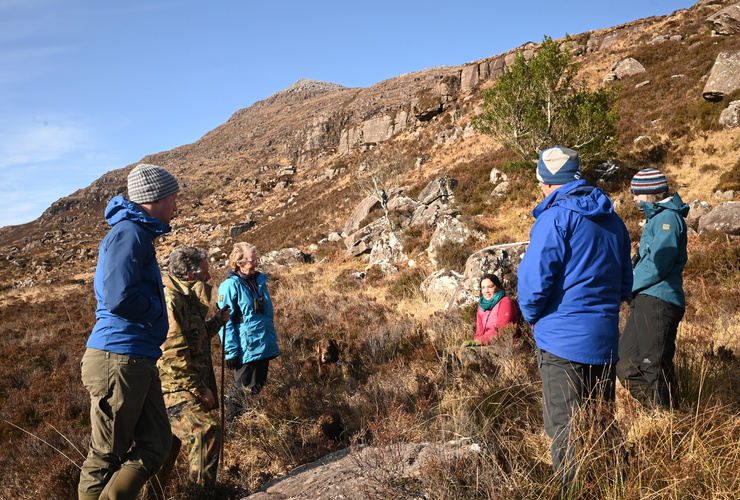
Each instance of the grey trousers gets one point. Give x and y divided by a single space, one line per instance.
127 415
566 387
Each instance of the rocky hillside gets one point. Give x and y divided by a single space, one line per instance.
283 167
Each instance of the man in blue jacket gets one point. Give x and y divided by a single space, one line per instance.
130 430
572 280
648 341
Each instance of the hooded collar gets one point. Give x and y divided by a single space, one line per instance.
120 209
578 196
197 289
674 203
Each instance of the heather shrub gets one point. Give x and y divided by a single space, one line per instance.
406 284
730 179
454 255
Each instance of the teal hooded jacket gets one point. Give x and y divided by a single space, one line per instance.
663 251
250 335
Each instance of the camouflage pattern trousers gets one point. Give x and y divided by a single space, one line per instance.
200 432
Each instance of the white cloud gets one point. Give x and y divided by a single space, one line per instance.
17 206
40 142
42 161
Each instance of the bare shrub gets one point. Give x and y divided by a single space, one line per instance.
686 455
730 179
469 475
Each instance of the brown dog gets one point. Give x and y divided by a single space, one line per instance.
332 431
327 354
329 427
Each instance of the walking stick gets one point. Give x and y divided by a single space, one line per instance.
223 398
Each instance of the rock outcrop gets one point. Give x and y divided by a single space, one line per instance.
724 77
502 260
730 116
725 218
627 67
349 473
726 21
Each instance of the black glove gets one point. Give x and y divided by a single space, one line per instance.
233 363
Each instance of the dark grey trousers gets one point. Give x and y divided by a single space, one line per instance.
566 387
646 350
249 379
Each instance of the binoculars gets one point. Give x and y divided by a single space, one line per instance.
259 305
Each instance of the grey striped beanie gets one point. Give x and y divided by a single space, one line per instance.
149 183
649 181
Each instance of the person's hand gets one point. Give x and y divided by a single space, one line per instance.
207 399
470 343
233 363
224 314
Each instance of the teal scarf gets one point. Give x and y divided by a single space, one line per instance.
488 304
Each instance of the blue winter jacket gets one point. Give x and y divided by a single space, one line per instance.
663 251
131 313
250 335
575 273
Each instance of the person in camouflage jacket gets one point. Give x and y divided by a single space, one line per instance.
186 367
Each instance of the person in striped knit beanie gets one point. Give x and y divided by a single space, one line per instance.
649 181
648 341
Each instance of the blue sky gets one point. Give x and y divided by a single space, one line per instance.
88 86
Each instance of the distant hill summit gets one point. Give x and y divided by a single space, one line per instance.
306 85
300 91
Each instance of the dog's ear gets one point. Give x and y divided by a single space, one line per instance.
320 346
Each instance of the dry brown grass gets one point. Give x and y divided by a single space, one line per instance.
392 381
697 174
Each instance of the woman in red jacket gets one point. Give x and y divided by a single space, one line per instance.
495 310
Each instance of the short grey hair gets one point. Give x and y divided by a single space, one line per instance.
186 260
238 253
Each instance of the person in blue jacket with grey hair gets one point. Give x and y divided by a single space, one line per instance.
572 279
249 337
131 435
648 341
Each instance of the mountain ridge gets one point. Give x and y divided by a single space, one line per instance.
323 129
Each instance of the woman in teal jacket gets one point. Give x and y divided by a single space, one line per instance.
250 341
648 342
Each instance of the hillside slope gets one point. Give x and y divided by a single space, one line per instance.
287 160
